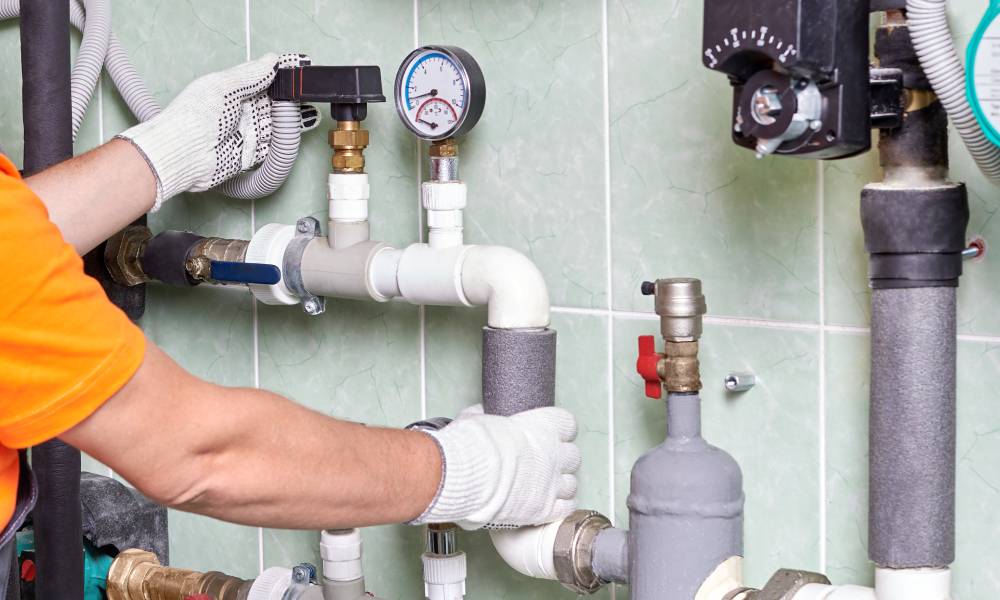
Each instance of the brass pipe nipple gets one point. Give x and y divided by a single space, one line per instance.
447 148
349 141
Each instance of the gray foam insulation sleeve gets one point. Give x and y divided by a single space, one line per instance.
519 370
912 445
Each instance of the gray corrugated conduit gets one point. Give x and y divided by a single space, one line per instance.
932 39
100 48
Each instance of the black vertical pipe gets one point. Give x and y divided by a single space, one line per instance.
48 139
45 84
914 229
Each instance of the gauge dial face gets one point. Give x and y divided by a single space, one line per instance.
435 90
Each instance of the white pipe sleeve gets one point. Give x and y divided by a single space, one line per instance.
932 40
509 283
341 554
528 550
912 584
432 275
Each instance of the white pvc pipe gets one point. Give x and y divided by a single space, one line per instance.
528 550
912 584
341 554
504 280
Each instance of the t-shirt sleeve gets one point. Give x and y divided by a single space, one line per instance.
64 347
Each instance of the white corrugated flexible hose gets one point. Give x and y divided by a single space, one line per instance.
100 48
935 47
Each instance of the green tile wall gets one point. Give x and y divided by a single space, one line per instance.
604 155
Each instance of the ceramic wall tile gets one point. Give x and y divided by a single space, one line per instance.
454 359
771 430
977 524
534 164
685 200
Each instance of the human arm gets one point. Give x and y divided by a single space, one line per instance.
95 195
253 457
216 128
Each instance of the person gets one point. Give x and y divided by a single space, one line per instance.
73 367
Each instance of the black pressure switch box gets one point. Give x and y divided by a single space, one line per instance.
799 70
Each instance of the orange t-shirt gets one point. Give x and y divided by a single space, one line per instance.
64 347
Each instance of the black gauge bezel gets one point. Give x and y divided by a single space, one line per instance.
475 90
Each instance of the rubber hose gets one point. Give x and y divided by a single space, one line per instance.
286 135
90 59
935 47
130 85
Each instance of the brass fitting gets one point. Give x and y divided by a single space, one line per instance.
680 368
199 263
444 148
123 255
138 575
349 141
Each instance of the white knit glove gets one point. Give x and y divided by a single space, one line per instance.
506 471
217 127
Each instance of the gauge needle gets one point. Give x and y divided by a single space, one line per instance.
430 93
428 123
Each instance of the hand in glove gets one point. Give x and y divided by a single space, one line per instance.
217 127
506 471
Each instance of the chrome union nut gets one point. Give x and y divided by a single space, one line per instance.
573 554
785 583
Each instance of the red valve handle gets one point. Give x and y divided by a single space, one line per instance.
647 364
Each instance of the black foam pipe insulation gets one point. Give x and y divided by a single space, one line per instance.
48 139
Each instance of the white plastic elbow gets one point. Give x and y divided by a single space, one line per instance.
509 283
501 278
528 550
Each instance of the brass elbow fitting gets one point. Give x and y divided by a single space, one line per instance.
138 575
349 141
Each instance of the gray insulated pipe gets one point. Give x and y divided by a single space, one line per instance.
914 226
912 447
48 139
519 370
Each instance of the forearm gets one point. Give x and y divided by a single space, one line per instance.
250 456
95 195
278 464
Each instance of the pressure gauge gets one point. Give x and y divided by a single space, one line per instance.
440 92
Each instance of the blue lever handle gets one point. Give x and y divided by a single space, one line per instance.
240 272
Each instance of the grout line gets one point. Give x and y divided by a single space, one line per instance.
422 310
254 320
608 258
821 438
747 322
972 337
